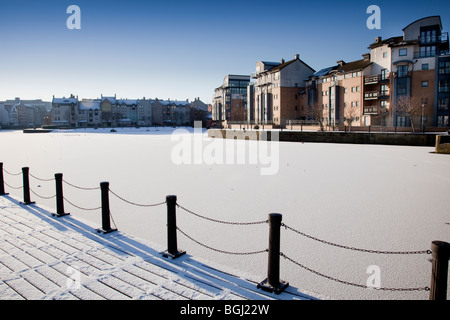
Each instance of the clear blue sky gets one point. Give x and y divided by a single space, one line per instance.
180 49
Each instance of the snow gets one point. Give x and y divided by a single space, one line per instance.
389 198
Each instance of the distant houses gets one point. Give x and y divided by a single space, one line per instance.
113 112
24 113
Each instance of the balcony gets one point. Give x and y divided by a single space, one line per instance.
380 78
441 40
373 95
372 79
370 110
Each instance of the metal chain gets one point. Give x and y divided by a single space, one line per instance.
17 188
12 174
81 188
137 204
42 197
353 248
350 283
44 180
81 208
218 250
221 221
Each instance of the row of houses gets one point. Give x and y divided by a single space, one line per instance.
105 111
24 113
111 111
401 81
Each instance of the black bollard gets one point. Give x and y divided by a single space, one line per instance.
439 273
2 182
273 283
59 196
172 246
106 214
26 186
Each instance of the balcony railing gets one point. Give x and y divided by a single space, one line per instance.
442 39
375 79
374 95
370 110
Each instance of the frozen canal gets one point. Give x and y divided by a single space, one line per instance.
384 198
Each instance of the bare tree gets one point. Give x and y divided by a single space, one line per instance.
382 114
317 112
350 114
409 107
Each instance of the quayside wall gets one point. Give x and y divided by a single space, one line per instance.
380 138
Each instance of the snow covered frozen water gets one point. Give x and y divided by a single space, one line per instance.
387 198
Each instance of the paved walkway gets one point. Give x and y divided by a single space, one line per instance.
43 257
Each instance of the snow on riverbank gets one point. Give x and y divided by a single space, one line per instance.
364 196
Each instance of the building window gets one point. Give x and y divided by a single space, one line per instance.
384 74
385 55
403 52
443 121
424 84
425 66
402 71
428 51
444 86
444 67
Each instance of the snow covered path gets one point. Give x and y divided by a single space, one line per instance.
43 257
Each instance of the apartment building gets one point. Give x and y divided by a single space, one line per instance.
408 66
65 111
337 93
89 113
230 100
442 105
277 91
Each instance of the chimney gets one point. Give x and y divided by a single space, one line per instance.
366 56
340 63
297 57
378 39
282 61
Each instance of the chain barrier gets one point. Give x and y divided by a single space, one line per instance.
137 204
17 188
350 283
218 250
81 208
221 221
42 197
354 248
40 179
81 188
242 224
12 174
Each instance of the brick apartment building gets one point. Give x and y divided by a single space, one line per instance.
413 67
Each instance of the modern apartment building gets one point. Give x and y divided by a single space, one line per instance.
277 91
337 93
408 66
442 104
230 101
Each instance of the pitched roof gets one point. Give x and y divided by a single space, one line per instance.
65 100
355 65
285 64
394 41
